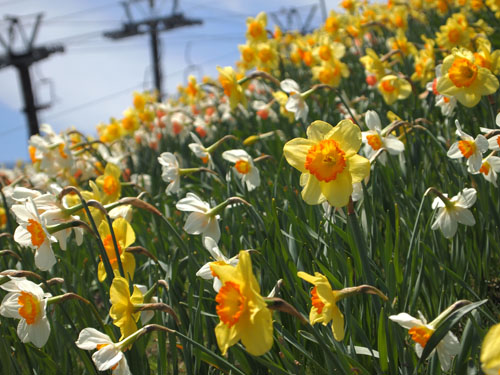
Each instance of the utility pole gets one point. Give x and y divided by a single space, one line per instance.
22 59
153 25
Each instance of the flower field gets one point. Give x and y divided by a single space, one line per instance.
329 205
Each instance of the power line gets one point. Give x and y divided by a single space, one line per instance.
128 89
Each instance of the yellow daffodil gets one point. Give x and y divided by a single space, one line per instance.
490 351
110 184
324 304
330 73
242 310
394 88
233 90
256 28
462 78
3 218
455 33
122 306
324 301
373 64
328 161
125 237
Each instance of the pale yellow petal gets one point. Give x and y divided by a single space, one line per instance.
338 191
318 130
359 168
348 136
295 152
312 191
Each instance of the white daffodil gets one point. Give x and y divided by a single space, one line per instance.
201 220
109 356
32 232
489 169
27 301
421 332
296 102
446 103
243 167
375 139
453 211
469 148
205 272
264 110
170 172
200 151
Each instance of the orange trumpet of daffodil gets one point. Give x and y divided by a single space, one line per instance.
243 312
328 161
324 301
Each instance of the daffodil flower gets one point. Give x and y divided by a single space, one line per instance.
421 332
242 311
170 172
109 356
125 236
324 301
490 168
453 211
394 88
243 167
122 306
462 78
296 102
27 301
205 272
201 220
469 148
324 304
233 90
32 232
375 139
490 351
200 151
110 184
328 161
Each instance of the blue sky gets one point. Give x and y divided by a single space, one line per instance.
94 79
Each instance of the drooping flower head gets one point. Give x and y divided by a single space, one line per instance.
421 332
328 161
122 309
324 304
125 236
109 356
242 311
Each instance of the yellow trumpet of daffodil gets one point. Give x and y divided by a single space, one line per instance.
462 78
125 236
110 184
328 161
490 351
243 312
123 305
